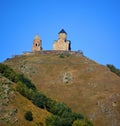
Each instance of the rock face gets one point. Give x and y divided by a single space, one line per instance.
7 95
62 43
37 44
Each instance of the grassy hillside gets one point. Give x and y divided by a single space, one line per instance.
61 114
84 85
13 107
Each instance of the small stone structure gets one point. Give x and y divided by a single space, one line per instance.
62 43
37 44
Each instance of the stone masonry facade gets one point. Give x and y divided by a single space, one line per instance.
37 44
62 43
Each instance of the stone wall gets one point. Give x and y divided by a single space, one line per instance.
61 45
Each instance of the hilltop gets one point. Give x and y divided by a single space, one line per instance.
70 77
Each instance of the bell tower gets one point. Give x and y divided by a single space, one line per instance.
37 44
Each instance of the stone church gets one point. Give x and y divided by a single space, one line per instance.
37 44
62 43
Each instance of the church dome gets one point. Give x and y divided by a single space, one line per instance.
62 31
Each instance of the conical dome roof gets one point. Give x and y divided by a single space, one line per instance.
62 31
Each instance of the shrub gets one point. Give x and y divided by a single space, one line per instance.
57 121
39 99
83 122
26 81
62 56
28 116
8 72
113 69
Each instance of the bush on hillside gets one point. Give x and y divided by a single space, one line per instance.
57 121
113 69
8 72
62 56
11 75
83 122
26 81
28 116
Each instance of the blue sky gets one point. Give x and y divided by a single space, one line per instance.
93 26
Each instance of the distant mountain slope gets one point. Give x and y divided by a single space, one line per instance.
86 86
